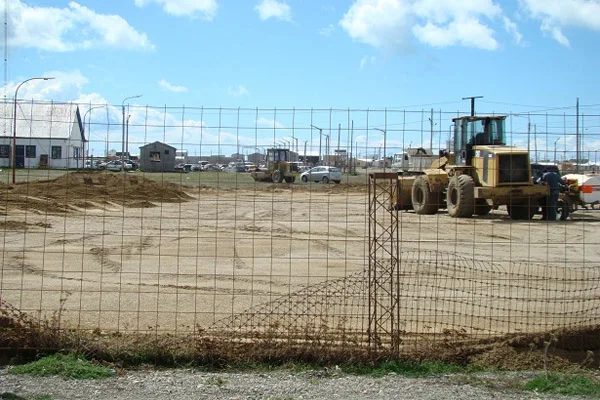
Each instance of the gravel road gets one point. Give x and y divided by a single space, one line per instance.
281 385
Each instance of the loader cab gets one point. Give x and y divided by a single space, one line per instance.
473 131
274 156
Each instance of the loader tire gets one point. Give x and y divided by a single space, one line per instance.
460 196
277 176
424 202
482 207
290 179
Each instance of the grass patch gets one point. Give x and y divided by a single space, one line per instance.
64 365
12 396
570 385
216 381
412 369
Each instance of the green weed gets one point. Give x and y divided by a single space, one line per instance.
65 365
570 385
409 368
216 381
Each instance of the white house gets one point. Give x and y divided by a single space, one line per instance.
48 135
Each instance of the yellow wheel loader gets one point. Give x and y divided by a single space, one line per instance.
277 167
480 172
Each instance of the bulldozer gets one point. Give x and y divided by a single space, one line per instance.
277 167
478 173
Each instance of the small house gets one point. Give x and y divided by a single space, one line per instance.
47 135
157 157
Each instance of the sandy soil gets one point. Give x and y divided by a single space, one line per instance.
143 256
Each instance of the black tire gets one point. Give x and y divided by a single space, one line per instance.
522 210
289 179
460 196
338 182
325 180
562 209
277 176
305 179
424 201
482 207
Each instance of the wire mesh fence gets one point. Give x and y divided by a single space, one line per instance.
207 248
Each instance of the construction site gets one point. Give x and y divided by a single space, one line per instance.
448 251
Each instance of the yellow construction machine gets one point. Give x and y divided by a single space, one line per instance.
277 167
478 173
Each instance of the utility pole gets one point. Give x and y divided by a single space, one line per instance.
431 132
304 161
577 136
337 153
472 98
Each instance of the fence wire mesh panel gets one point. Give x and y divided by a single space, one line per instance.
195 221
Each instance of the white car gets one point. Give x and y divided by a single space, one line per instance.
323 174
115 166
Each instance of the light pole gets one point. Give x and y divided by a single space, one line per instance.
85 115
327 146
320 134
14 155
123 138
384 145
555 160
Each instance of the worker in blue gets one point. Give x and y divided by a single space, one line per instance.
555 183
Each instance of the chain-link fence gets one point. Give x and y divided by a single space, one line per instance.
162 224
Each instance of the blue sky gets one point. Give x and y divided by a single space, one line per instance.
523 56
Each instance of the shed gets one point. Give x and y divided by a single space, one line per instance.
48 135
157 157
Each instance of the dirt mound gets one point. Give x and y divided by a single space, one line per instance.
76 190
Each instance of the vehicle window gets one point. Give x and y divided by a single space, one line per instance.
334 170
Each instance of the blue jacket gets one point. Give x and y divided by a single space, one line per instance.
553 180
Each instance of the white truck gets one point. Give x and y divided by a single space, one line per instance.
413 161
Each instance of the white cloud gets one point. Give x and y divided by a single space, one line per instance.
274 9
379 23
512 28
73 28
207 9
269 123
394 24
172 88
366 60
238 91
327 31
557 14
553 30
465 32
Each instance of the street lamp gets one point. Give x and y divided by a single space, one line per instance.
296 140
320 134
14 155
555 160
384 145
85 115
123 138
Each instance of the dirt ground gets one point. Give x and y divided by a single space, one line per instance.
101 252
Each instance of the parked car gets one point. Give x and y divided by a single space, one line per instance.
179 167
323 174
190 167
133 165
116 166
